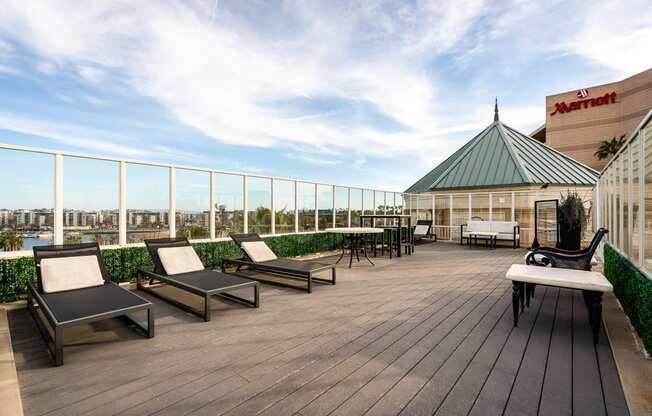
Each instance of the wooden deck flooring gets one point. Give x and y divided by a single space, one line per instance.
427 334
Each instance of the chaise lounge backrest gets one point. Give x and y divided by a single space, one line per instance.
153 245
422 227
77 254
254 247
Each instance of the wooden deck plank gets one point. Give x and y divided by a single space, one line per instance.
423 334
556 396
587 387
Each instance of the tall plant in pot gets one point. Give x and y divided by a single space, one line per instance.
573 219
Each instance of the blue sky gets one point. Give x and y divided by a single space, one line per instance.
370 93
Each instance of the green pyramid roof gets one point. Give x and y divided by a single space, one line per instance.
501 156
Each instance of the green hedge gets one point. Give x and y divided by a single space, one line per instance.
123 263
634 291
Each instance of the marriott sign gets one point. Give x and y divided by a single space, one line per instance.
562 107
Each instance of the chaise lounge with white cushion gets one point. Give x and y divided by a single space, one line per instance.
74 288
258 256
504 230
423 230
176 264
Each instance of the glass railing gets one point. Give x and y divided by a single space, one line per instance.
56 197
623 197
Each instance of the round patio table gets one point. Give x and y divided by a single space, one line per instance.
354 236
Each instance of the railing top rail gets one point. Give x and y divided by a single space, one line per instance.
31 149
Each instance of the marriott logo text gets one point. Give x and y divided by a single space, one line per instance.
608 98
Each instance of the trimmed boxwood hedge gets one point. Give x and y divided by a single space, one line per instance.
123 263
634 291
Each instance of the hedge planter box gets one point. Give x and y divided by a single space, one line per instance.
123 263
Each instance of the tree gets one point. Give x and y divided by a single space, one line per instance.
609 148
10 241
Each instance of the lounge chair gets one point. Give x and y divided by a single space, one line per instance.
176 264
74 288
423 230
258 256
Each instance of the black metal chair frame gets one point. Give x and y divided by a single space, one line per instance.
176 281
285 272
429 235
564 259
55 342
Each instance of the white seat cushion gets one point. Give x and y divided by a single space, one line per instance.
68 273
421 229
479 226
258 251
503 227
179 260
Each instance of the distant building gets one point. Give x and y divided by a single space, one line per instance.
578 121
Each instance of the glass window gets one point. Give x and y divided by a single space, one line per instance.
26 200
259 205
524 214
648 196
306 197
425 207
442 216
480 206
193 204
325 206
380 203
625 198
341 206
229 204
147 202
460 213
284 194
356 206
368 202
617 190
91 201
501 206
635 185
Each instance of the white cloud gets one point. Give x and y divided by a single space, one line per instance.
273 75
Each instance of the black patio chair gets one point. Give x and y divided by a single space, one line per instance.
201 282
74 288
563 259
423 231
283 267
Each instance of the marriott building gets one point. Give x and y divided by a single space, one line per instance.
578 121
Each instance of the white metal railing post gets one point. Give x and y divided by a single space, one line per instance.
245 203
491 206
641 199
621 191
348 219
296 207
316 207
450 217
58 199
211 213
334 218
122 212
513 207
630 208
172 208
273 204
470 207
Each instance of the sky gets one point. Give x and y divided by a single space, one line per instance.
367 93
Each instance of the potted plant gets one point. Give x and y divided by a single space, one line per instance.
572 220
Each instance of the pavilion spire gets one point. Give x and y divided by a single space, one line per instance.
496 118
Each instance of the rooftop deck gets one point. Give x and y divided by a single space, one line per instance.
424 334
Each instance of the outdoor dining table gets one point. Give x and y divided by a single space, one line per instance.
403 229
353 239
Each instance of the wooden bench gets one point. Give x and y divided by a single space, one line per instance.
592 285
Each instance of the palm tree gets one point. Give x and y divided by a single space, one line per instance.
10 241
609 148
